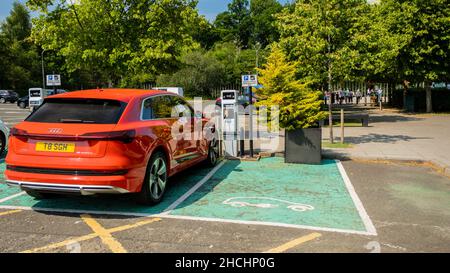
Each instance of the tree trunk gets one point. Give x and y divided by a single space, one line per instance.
428 95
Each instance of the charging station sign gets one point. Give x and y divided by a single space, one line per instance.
53 80
249 80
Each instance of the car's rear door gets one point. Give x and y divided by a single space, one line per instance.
184 113
157 112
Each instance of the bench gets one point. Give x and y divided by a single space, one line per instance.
360 117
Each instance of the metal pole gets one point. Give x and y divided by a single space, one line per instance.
250 96
43 72
342 126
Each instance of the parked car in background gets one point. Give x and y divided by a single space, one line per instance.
4 135
107 141
8 96
23 102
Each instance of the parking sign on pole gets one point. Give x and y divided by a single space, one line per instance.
53 80
249 80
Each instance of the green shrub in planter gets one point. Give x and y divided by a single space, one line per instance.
299 106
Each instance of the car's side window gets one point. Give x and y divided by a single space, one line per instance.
156 108
180 108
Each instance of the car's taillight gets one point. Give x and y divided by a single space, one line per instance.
19 133
126 136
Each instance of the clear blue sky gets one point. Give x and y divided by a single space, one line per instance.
209 8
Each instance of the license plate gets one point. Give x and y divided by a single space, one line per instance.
55 147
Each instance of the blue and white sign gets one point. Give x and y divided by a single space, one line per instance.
53 80
249 80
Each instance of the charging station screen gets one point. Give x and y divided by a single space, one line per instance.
229 96
35 93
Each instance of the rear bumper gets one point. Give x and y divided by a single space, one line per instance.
77 181
65 188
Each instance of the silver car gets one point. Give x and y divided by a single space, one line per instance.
4 135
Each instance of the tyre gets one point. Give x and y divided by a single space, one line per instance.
40 195
2 100
22 105
213 153
2 144
155 181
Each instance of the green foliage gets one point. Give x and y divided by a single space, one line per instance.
198 76
20 58
314 32
300 106
248 23
426 24
120 42
263 13
234 25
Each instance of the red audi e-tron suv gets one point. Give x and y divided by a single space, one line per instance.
108 141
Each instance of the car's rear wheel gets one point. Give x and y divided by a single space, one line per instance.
213 153
155 181
2 100
40 195
22 105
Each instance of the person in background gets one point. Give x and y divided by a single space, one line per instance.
346 95
341 96
358 96
379 95
350 96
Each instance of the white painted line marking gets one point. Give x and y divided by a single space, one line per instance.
163 215
261 223
193 189
12 197
359 206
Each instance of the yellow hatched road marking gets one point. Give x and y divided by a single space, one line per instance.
91 236
294 243
104 234
10 212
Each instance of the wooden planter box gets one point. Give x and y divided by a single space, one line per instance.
304 146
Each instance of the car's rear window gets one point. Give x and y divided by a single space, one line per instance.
86 111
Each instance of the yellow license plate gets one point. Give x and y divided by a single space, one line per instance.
55 147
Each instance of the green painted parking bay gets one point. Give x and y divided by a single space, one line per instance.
268 192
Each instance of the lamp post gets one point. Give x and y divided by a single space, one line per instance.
43 72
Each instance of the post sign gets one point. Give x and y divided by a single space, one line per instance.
53 80
249 80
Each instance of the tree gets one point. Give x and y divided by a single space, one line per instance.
207 35
263 18
314 32
299 105
200 74
20 59
119 42
424 58
235 25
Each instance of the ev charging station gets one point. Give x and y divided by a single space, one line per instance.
230 122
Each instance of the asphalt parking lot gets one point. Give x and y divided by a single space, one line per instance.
265 206
11 114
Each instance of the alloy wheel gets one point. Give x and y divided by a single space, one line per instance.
214 152
158 178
